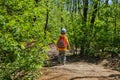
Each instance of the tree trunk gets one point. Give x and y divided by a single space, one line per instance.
106 2
46 24
85 10
83 42
94 14
78 6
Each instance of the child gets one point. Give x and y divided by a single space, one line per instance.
62 46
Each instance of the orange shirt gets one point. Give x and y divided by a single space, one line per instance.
63 49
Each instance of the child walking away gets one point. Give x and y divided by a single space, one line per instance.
62 46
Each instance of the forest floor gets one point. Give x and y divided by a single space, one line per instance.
78 68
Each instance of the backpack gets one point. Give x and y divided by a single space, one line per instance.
62 43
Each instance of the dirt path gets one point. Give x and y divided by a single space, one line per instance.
79 71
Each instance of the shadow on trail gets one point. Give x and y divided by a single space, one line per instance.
110 77
54 78
92 77
72 58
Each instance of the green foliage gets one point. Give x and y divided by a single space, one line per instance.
21 38
22 32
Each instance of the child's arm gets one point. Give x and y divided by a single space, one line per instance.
68 46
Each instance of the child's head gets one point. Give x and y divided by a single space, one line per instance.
63 31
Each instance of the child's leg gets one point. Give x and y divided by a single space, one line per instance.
63 57
60 57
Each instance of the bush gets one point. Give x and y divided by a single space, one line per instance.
21 39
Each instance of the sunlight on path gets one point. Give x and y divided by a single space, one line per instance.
79 71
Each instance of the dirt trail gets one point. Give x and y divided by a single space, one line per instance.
79 71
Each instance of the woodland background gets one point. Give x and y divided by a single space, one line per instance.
27 27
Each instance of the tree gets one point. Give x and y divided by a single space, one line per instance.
47 18
21 38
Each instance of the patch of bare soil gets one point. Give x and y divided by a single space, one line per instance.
79 71
77 68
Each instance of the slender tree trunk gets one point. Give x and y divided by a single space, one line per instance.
68 5
78 6
106 2
95 7
94 13
61 19
36 1
79 9
83 42
46 24
85 10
